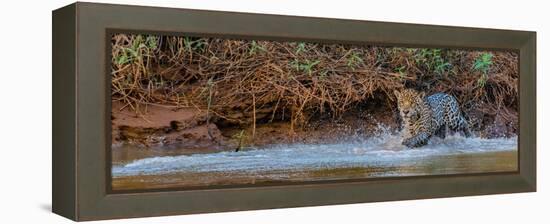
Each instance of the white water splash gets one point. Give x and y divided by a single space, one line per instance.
382 151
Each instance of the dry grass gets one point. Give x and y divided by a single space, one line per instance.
242 82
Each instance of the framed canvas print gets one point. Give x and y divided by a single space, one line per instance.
202 111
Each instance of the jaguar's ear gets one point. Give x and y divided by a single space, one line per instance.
397 94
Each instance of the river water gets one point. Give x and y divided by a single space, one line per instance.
381 156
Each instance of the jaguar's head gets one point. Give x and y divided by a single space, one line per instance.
409 101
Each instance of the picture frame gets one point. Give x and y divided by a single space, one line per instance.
81 105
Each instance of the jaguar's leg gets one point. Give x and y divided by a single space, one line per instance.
465 128
441 132
416 141
458 123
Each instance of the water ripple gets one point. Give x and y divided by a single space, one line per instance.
381 151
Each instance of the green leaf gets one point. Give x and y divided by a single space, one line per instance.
122 60
315 63
301 47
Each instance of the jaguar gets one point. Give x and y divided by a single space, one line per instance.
425 116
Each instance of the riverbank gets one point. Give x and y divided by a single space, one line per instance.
161 126
186 130
225 94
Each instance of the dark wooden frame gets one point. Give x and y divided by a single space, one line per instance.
81 105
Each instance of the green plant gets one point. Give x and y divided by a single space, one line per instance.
353 60
305 66
441 67
152 42
300 48
255 47
127 56
138 47
323 74
194 44
433 60
482 64
401 71
411 50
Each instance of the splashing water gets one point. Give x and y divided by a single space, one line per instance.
384 150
